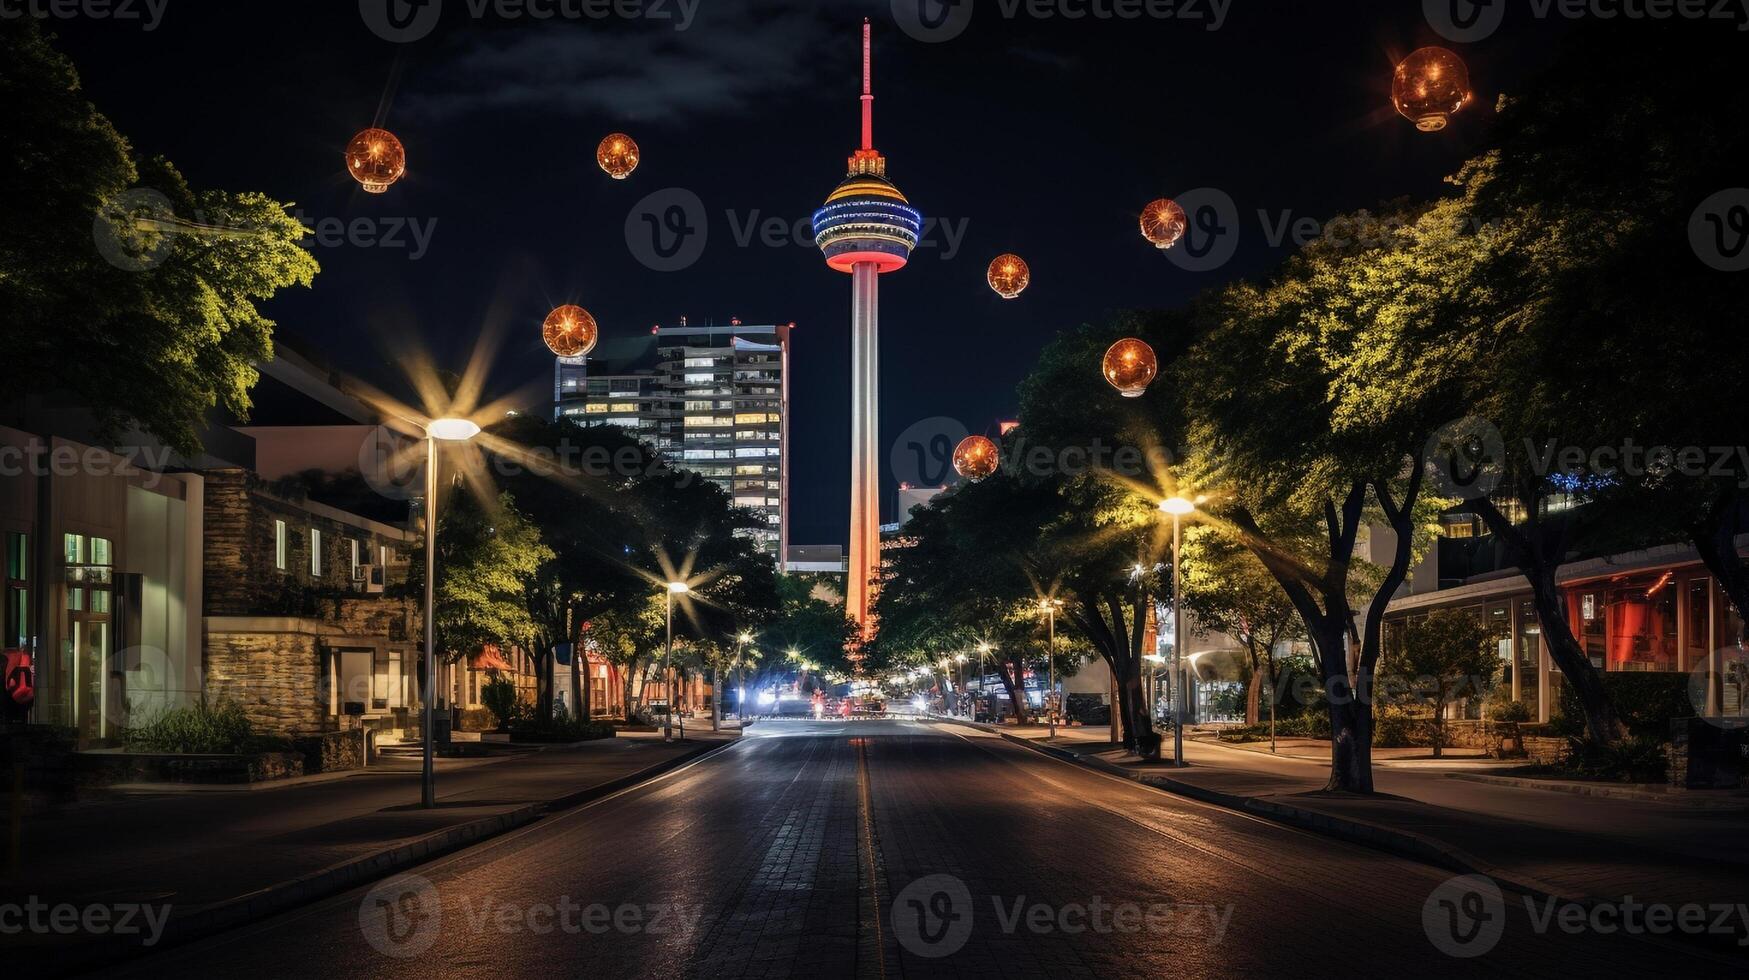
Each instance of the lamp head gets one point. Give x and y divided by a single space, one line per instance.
452 430
1177 506
678 588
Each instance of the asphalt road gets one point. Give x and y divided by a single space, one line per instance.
900 849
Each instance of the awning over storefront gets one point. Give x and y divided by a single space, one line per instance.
489 657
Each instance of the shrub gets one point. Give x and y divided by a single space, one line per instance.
1635 759
499 697
202 728
1393 728
1646 701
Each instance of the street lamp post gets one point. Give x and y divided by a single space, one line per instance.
1050 609
740 678
1177 507
674 589
446 430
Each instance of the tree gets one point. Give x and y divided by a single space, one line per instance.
485 560
1310 399
1597 318
1229 591
1445 657
125 288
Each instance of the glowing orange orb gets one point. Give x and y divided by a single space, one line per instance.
376 159
618 155
569 331
1429 86
1009 276
1130 365
1163 223
975 458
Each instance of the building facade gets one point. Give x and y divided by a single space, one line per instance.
711 399
1654 610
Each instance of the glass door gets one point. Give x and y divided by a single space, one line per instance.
87 649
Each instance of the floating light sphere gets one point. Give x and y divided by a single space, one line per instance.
569 331
376 159
1130 366
618 155
1009 276
1429 86
1163 223
975 458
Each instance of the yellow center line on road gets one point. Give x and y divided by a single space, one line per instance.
865 810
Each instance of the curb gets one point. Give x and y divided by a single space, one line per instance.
1402 843
335 879
1676 798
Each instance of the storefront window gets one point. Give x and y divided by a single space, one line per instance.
1733 660
1585 611
1697 623
1642 623
1530 641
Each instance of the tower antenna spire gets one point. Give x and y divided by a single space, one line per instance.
867 89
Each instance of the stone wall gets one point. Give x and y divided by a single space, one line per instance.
275 626
275 676
241 570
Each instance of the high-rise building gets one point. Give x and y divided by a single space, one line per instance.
710 399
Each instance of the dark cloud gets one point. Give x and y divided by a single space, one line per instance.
725 61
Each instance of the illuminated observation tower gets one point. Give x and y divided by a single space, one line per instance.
866 228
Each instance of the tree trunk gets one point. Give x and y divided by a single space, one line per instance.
1601 724
1539 559
1016 686
1715 539
1254 685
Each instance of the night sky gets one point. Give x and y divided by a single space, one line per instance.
1040 136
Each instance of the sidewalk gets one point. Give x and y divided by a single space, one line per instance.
204 851
1583 848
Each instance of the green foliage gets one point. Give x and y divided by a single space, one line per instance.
499 697
1635 759
202 728
485 561
1394 728
1645 700
167 327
